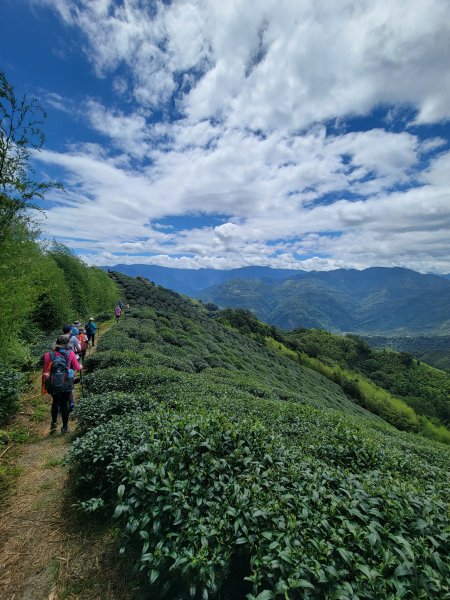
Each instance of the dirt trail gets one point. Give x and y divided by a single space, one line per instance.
48 551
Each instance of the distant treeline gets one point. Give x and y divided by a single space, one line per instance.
434 350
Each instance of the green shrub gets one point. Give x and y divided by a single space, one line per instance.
122 379
97 460
196 491
92 411
115 358
263 480
11 383
104 316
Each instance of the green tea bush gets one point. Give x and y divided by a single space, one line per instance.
122 379
92 411
97 459
261 481
198 490
104 316
109 341
115 358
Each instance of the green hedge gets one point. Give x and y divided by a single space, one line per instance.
194 493
123 379
258 481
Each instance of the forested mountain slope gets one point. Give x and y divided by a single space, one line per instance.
423 387
434 350
233 472
374 301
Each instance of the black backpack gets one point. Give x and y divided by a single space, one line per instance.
61 378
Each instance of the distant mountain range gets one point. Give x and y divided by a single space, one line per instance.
192 281
378 300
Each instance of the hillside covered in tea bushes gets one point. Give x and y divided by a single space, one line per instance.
232 471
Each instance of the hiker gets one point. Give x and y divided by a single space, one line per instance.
83 340
117 312
120 304
91 329
57 380
73 340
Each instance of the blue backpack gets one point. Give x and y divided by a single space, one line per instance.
61 378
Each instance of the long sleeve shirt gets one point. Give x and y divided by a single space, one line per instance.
72 364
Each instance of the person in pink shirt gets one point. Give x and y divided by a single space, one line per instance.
60 384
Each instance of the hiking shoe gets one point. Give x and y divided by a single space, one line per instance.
65 430
52 427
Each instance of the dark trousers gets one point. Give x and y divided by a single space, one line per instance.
61 402
91 338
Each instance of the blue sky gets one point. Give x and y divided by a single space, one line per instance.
202 133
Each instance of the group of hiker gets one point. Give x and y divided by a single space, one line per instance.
58 374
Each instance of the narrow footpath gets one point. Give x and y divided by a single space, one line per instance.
48 551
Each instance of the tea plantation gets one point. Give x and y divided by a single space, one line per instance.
233 472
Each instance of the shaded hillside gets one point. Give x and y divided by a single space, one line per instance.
377 300
229 476
423 387
434 350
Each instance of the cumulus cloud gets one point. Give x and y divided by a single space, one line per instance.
274 64
230 115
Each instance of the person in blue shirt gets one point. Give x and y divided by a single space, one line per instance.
91 329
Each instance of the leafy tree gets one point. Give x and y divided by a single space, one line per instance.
21 132
53 305
20 259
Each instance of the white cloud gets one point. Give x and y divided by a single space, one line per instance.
254 84
316 60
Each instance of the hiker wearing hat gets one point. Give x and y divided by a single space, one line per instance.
91 329
58 378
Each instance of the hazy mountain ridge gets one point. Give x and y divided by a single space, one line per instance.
377 300
192 281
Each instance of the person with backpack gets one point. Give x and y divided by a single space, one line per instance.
91 329
58 378
117 312
83 340
73 340
120 304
